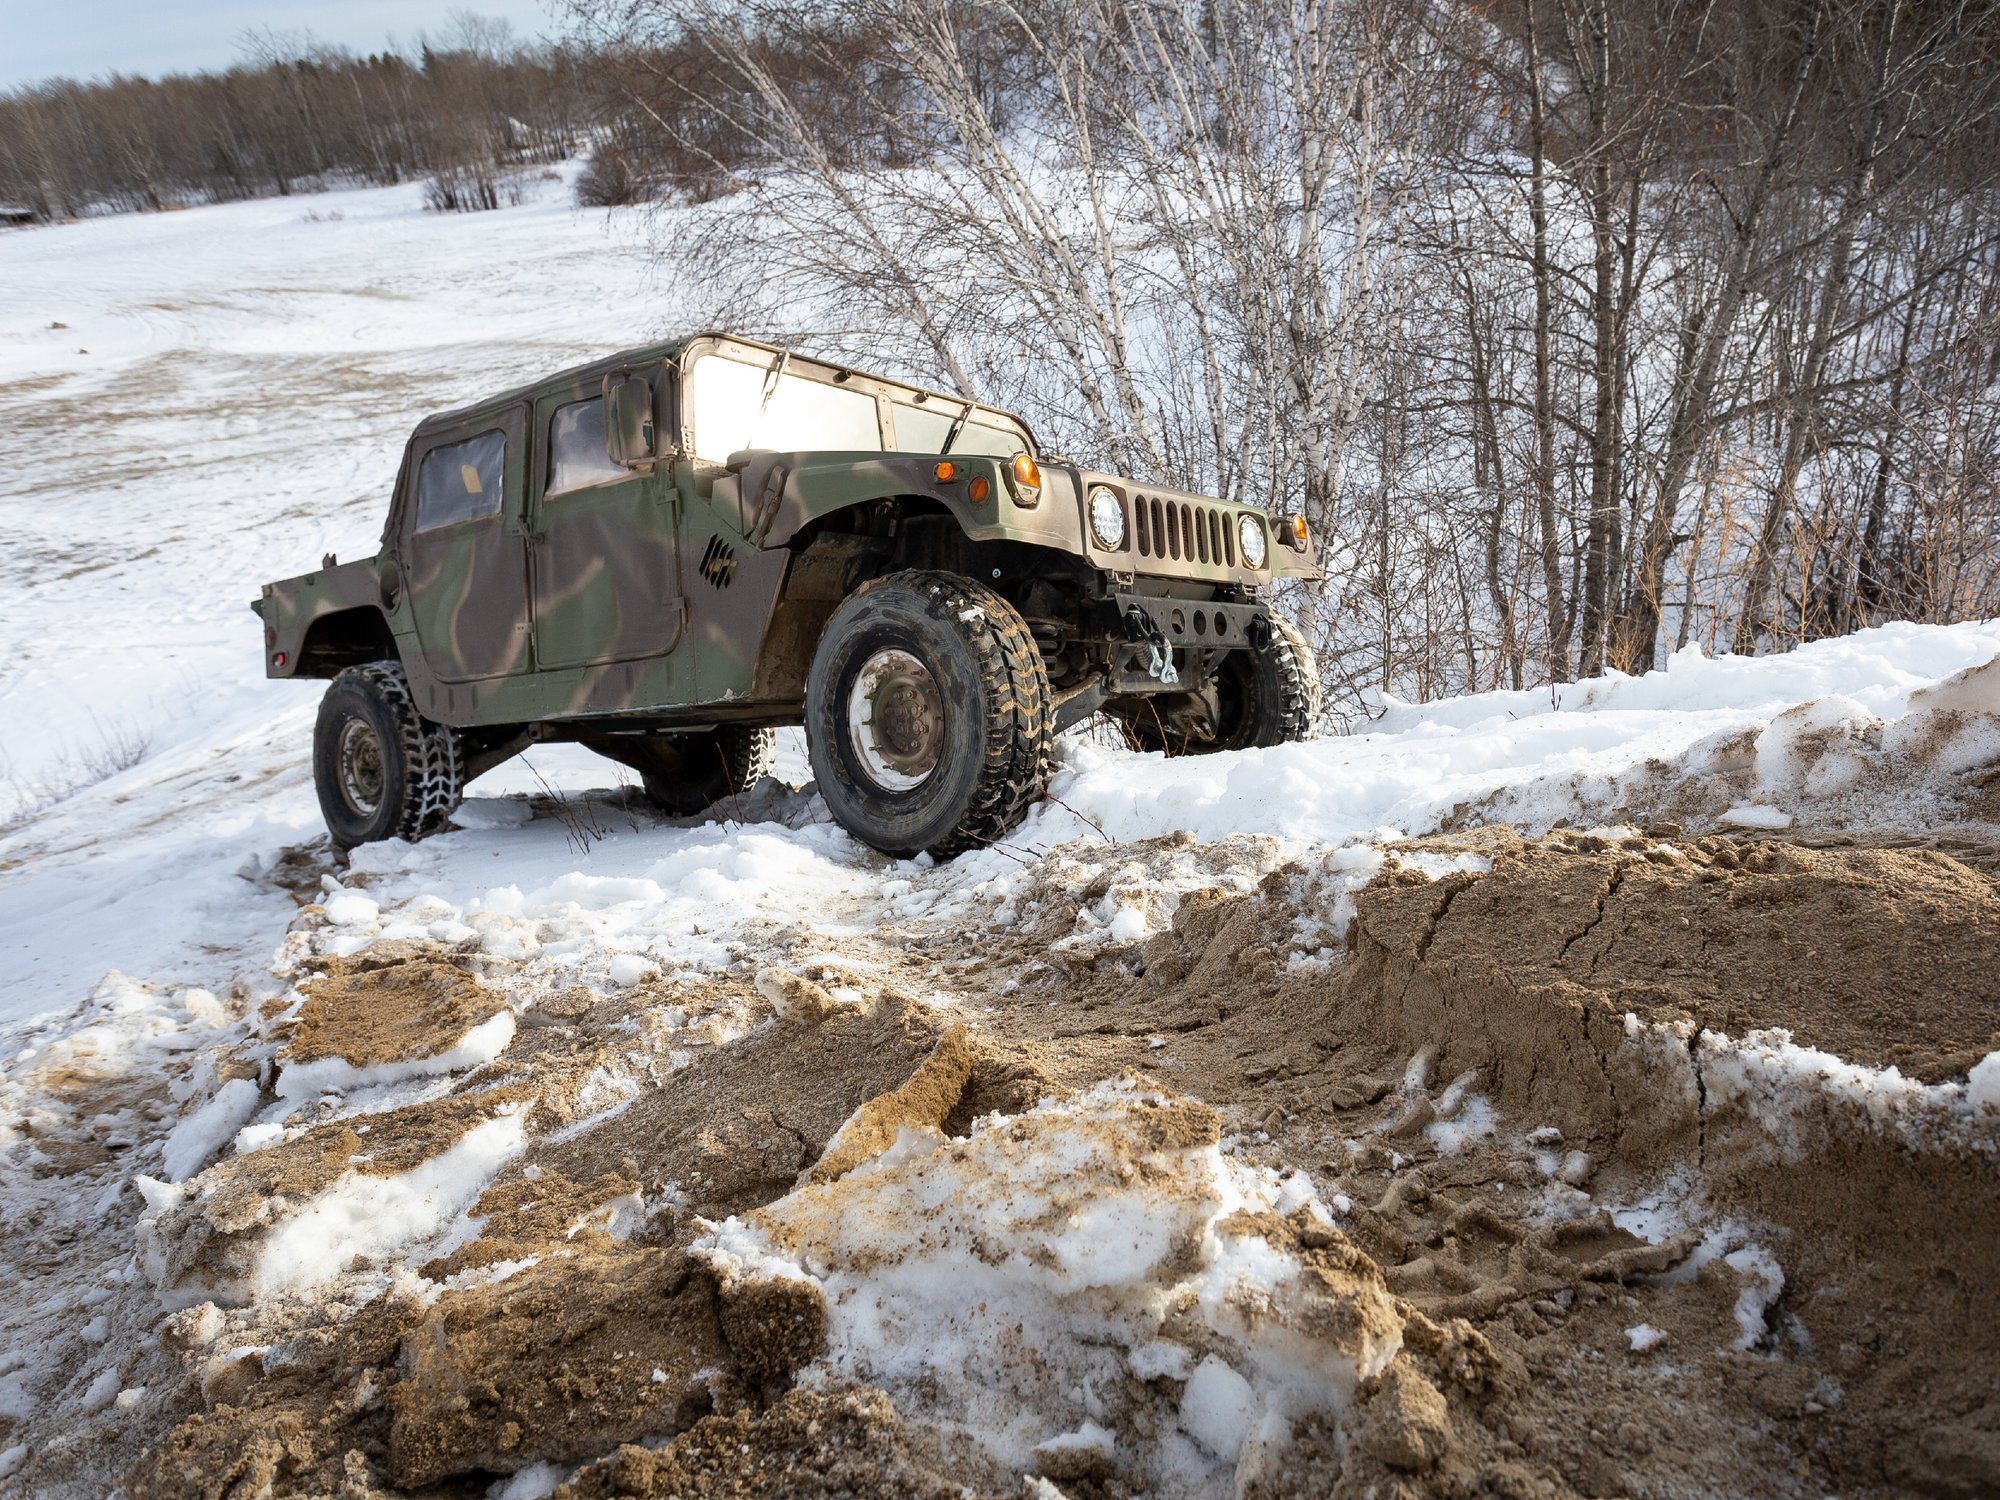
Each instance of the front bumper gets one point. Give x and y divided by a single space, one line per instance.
1189 624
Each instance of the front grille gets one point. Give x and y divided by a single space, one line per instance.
1177 531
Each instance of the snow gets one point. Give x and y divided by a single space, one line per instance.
365 1217
201 1134
354 327
1982 1084
531 1483
1217 1408
1643 1336
346 908
101 1391
1766 1281
271 366
1472 1120
1065 1231
1781 1085
1756 815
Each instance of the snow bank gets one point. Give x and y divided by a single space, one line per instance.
1557 753
1016 1282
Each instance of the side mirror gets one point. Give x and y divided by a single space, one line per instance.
629 435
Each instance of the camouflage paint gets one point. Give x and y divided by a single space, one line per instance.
676 588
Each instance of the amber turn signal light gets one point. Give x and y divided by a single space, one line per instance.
1027 476
979 489
1295 532
946 471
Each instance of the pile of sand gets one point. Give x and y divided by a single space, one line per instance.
1522 1177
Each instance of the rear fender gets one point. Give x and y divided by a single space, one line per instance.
316 623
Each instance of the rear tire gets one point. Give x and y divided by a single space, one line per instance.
1269 695
699 770
382 770
927 715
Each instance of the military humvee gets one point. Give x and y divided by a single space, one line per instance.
664 554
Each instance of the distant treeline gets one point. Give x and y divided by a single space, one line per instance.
296 115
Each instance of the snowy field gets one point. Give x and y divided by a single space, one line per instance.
193 403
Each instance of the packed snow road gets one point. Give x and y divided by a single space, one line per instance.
1578 1092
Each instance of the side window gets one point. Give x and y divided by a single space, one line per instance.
462 481
577 452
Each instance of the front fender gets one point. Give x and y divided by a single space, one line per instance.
782 493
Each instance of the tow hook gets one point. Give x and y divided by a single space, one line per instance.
1141 627
1260 633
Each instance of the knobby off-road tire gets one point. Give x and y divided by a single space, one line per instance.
928 717
1269 695
382 769
708 767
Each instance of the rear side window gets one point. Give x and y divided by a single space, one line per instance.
577 455
462 481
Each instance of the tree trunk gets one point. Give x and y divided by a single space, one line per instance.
1545 410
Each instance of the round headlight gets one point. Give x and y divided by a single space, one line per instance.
1107 518
1250 532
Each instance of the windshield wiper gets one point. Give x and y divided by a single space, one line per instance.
957 426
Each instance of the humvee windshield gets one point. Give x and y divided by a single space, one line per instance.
729 414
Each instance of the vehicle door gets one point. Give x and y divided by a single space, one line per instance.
603 564
463 547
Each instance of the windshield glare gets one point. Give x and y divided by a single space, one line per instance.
729 414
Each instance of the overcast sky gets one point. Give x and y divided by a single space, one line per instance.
85 38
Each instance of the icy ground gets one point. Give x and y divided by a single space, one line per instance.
225 401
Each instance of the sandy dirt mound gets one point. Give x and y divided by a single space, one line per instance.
575 1352
1831 944
818 1446
1525 1077
563 1316
367 1014
1617 1163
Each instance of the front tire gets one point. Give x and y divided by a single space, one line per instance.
382 770
928 717
1266 694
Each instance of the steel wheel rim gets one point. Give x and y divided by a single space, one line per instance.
895 720
360 761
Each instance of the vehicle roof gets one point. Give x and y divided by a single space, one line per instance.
659 353
643 354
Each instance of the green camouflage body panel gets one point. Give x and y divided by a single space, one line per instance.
682 591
